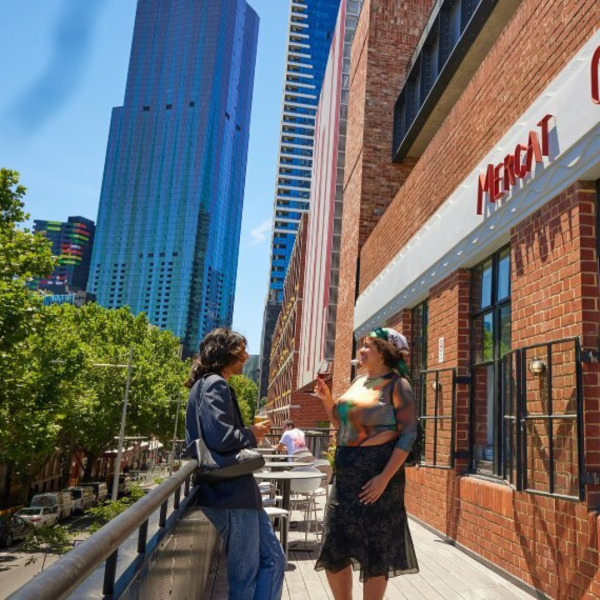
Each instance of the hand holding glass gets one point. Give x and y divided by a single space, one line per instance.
324 373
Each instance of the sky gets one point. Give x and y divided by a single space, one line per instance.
64 66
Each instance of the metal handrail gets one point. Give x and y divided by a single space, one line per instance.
65 575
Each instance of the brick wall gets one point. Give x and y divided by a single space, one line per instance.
285 349
385 38
550 543
535 46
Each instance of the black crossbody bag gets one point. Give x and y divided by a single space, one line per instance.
215 466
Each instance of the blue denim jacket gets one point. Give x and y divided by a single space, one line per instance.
223 431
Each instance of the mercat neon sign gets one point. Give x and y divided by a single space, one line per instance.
500 178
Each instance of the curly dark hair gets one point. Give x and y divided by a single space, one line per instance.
219 349
392 357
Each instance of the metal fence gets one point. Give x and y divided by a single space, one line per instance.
176 557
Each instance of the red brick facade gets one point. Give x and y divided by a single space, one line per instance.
549 542
387 33
283 399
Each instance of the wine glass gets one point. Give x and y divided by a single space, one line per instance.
324 371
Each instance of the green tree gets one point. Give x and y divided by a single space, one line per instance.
23 256
247 393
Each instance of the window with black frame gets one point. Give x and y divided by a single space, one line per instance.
490 345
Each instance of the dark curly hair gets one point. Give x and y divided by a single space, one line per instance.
392 357
219 349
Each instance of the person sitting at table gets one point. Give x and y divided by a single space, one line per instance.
294 442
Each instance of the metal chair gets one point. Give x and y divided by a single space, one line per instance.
304 492
283 515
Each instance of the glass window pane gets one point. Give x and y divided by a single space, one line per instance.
483 338
483 418
482 287
505 333
504 275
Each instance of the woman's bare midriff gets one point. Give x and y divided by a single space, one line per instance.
381 438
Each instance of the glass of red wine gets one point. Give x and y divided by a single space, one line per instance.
324 371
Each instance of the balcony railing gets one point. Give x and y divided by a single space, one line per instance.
174 562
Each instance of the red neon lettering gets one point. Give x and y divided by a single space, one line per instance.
499 179
596 76
520 168
486 183
545 134
533 150
509 172
499 189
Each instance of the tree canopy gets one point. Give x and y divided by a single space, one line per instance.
53 394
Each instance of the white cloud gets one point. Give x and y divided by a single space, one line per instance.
260 233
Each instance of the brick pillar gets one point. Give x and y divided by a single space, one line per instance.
385 38
449 319
555 295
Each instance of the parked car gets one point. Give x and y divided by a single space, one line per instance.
13 528
84 497
124 485
39 515
62 501
100 489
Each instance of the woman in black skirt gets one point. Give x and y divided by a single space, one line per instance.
366 526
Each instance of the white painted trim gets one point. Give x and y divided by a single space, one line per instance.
455 236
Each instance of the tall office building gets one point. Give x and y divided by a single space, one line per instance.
311 27
72 242
171 204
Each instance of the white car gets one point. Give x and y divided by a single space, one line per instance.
39 515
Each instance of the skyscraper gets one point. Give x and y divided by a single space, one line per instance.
311 27
172 194
72 242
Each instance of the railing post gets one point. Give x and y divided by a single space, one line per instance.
177 498
162 520
186 489
142 537
110 574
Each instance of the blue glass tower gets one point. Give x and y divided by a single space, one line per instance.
170 212
311 27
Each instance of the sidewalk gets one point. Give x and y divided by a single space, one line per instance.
445 573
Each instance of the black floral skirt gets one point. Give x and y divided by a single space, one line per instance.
373 538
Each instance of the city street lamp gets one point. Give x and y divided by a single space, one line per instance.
117 470
175 433
128 366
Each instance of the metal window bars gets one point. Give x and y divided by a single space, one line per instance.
532 446
550 417
439 380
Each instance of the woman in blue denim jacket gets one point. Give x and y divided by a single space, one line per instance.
255 559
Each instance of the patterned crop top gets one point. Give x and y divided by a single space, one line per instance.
373 406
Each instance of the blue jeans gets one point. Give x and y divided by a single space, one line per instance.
255 559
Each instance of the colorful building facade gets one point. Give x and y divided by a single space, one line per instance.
72 242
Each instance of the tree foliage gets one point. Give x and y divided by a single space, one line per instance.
247 393
53 394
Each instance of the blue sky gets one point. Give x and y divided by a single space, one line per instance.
55 112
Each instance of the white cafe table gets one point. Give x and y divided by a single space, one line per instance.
286 478
279 456
286 466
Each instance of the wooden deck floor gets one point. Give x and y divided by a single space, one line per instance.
445 573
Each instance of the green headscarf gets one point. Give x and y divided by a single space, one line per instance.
397 340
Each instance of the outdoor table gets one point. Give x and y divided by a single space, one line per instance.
278 456
286 478
287 465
